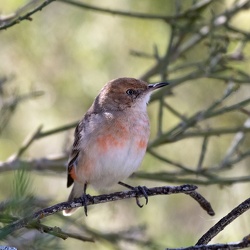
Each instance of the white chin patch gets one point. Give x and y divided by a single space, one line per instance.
142 103
147 98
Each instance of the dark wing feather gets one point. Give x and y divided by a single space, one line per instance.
75 151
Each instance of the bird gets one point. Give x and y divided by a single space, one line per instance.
111 139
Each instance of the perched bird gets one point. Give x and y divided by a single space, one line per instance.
111 139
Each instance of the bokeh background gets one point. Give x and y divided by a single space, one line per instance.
69 53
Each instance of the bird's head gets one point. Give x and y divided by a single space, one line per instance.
122 93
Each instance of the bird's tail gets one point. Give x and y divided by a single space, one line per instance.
76 192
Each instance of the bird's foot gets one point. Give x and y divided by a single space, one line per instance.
142 189
85 199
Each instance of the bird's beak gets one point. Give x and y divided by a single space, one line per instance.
157 85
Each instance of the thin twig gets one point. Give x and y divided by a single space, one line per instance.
199 6
56 231
160 117
212 132
176 133
201 133
28 142
16 18
9 105
203 152
202 33
56 130
53 163
176 164
237 140
165 177
175 112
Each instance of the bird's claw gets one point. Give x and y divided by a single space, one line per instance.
143 191
85 199
84 202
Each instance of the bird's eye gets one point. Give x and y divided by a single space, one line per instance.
131 92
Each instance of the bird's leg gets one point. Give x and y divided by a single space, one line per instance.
85 199
142 189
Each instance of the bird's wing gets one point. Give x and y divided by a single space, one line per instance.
91 121
79 131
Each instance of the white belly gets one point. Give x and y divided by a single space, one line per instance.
116 165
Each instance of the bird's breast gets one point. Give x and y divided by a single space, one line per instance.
118 150
124 132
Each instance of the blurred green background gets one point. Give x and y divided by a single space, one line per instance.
70 53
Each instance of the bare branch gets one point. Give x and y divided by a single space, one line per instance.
9 105
237 245
212 132
57 232
203 152
200 133
15 18
219 226
54 163
174 178
190 12
179 49
27 142
203 202
56 130
91 200
237 140
23 13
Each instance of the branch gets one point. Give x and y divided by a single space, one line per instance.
219 226
204 31
234 146
190 12
56 164
56 130
165 190
192 134
203 153
52 163
132 234
27 142
15 18
239 245
166 177
57 232
178 130
212 132
9 105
